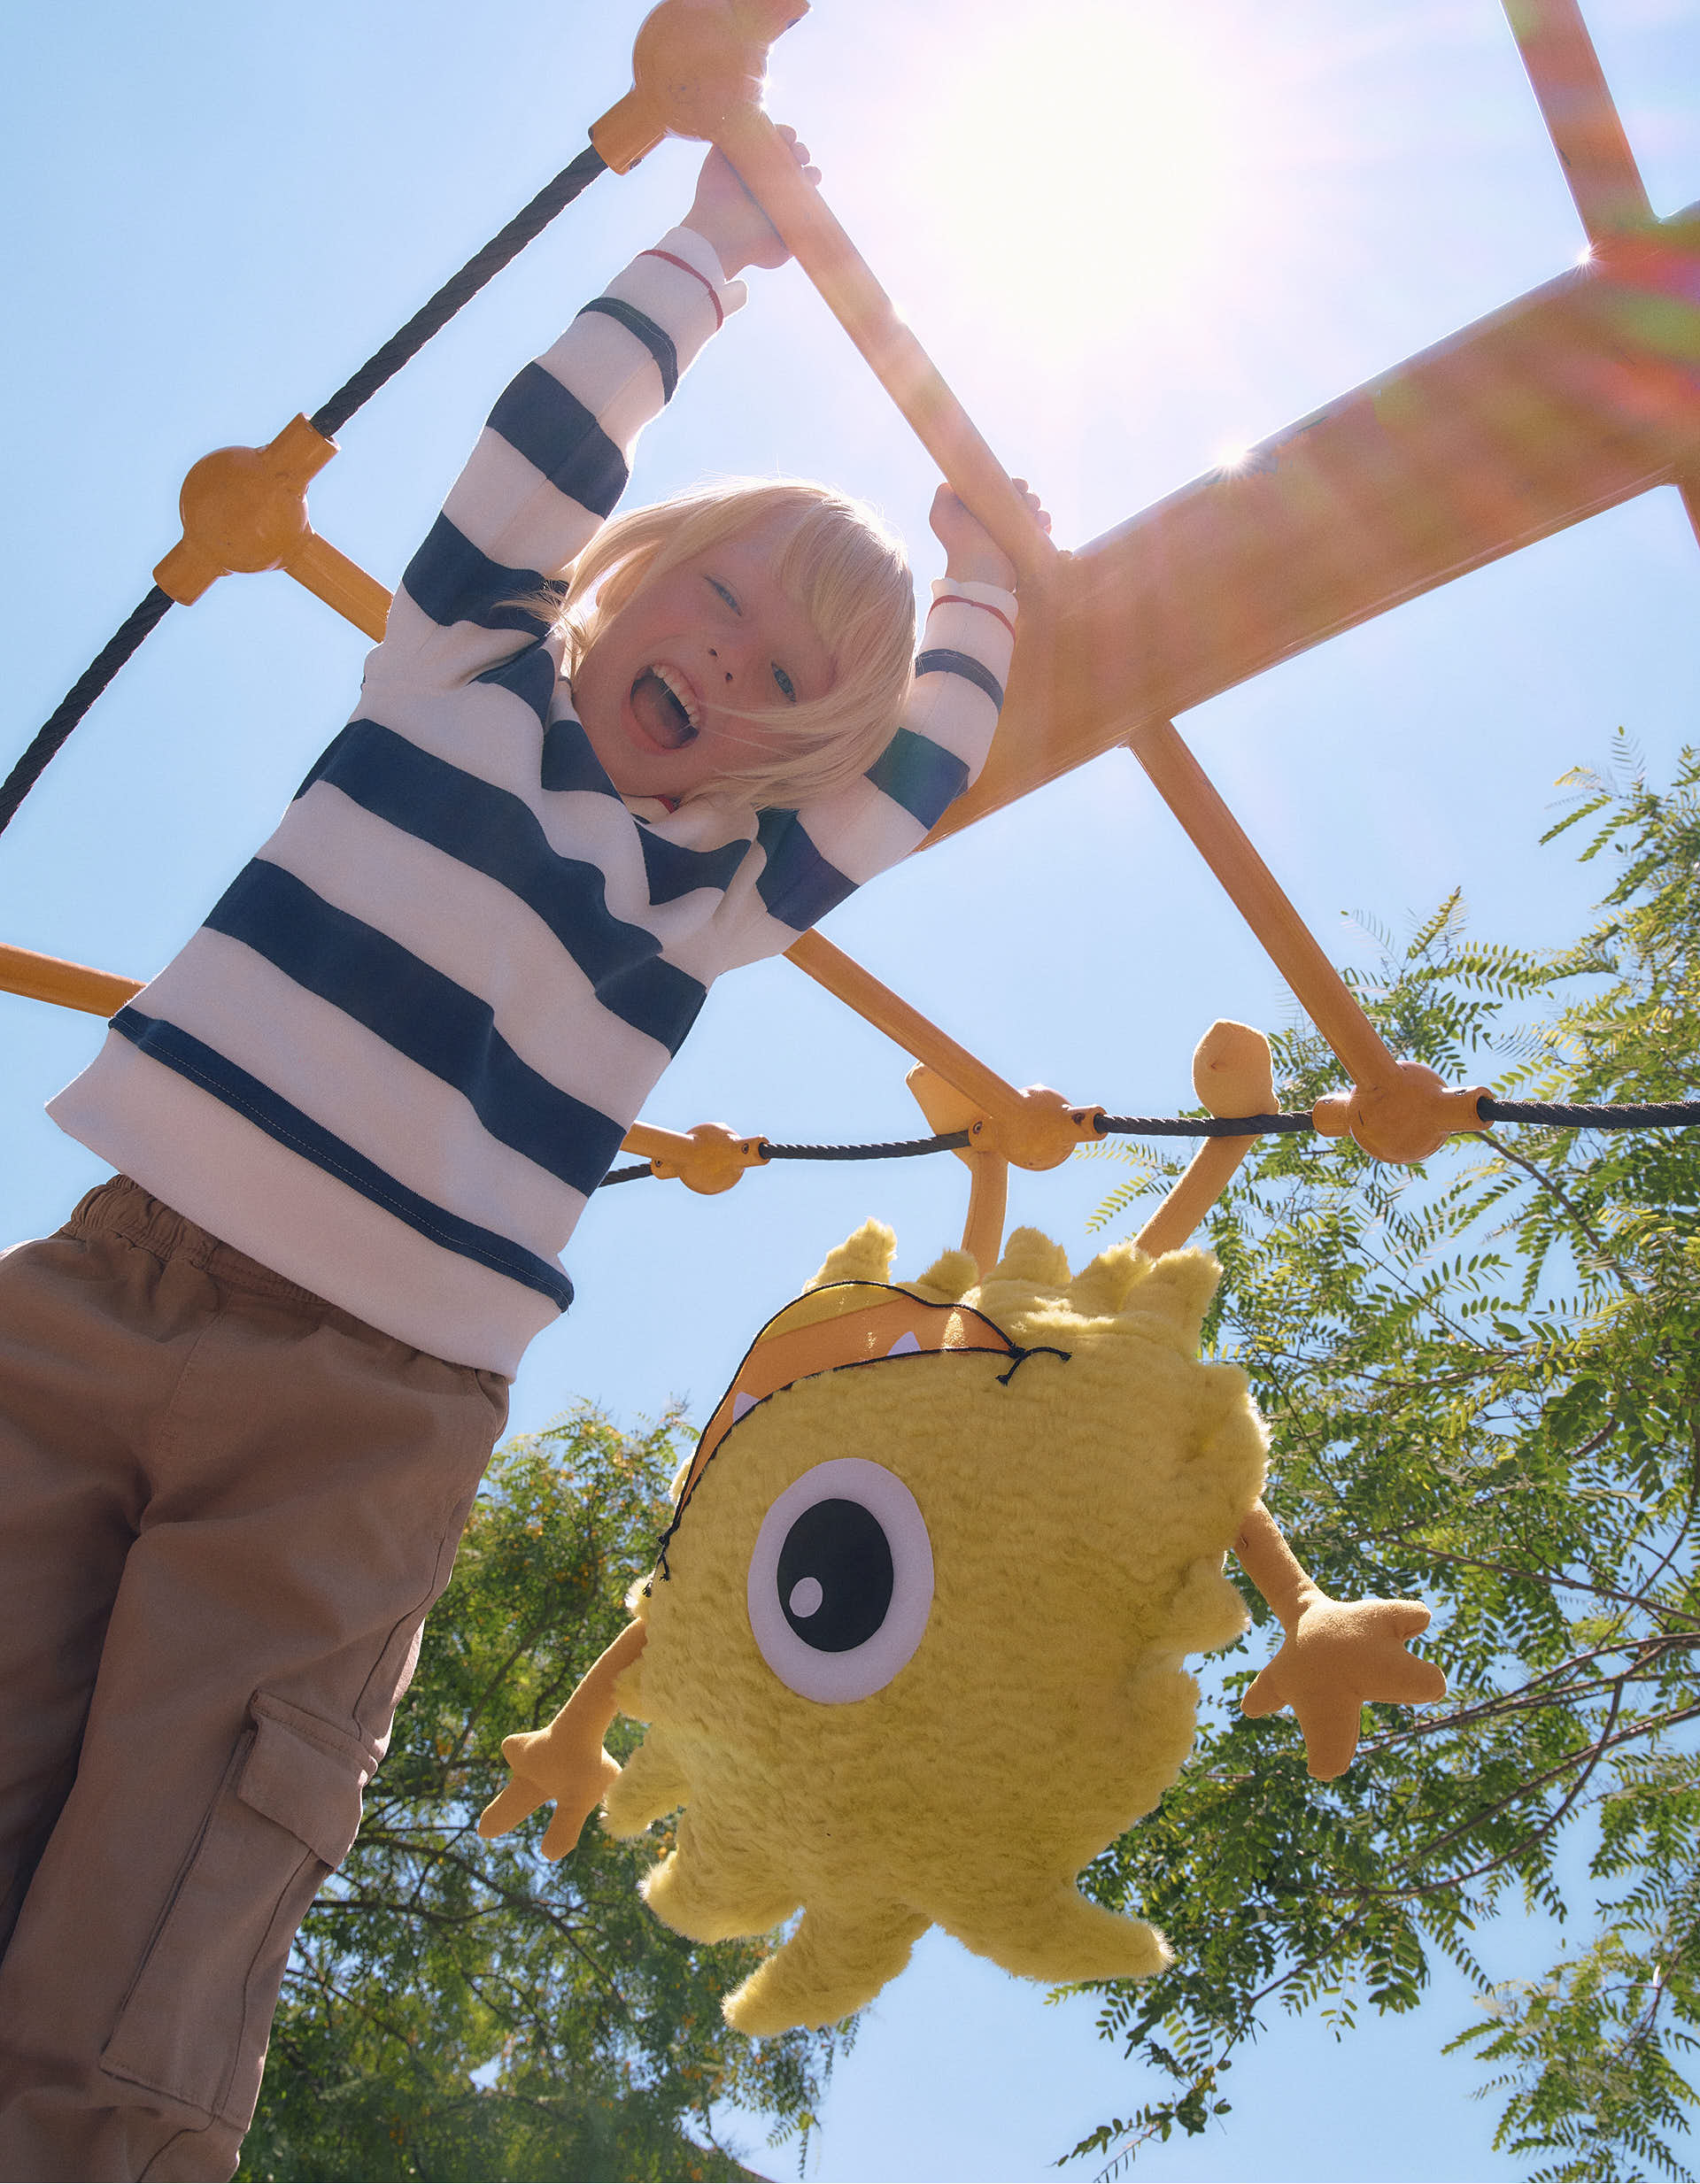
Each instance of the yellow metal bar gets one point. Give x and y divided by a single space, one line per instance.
1232 1076
1036 1128
947 1110
1217 835
846 979
341 583
1397 1110
848 288
988 1203
67 985
1570 401
1581 118
698 70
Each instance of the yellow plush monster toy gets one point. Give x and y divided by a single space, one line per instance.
913 1649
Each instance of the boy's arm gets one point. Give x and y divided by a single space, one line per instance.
1336 1656
822 854
550 463
555 456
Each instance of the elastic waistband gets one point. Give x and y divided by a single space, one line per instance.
123 1208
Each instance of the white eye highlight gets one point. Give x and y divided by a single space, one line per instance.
840 1584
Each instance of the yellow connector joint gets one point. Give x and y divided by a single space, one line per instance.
245 509
1405 1114
708 1159
696 63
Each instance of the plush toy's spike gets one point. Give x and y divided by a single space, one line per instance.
864 1257
1033 1259
1175 1291
949 1279
1100 1290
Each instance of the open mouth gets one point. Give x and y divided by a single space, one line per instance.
664 709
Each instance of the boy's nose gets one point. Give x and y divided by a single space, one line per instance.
728 663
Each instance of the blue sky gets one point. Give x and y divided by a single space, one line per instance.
1132 233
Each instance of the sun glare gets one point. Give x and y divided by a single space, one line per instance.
1114 144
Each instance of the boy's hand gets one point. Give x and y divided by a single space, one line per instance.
724 213
972 554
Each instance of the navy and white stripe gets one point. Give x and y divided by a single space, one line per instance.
407 1043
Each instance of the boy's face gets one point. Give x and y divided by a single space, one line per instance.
661 689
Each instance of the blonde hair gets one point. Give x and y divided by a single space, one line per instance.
843 567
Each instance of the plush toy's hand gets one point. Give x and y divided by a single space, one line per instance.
566 1761
1339 1657
546 1766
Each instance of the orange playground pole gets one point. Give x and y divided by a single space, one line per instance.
67 985
1232 1076
902 366
1397 1110
1576 104
1036 1128
698 71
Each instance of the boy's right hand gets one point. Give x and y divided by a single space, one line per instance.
724 213
971 553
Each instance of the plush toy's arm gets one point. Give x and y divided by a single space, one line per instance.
566 1761
1336 1656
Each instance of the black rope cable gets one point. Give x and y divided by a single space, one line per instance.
894 1149
1546 1114
1672 1115
1201 1126
382 364
49 738
528 223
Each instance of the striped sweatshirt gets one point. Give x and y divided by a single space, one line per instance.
407 1043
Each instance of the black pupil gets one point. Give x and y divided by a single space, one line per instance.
837 1554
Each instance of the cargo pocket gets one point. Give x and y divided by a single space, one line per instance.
195 2023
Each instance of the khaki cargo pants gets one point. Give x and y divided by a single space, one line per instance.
225 1508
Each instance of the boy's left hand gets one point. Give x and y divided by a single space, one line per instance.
724 213
972 554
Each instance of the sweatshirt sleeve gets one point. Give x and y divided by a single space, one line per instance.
550 466
821 853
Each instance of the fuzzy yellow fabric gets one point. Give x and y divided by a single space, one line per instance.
1078 1510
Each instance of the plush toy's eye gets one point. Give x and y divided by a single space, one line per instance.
841 1581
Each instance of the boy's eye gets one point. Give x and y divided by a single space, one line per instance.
715 585
787 688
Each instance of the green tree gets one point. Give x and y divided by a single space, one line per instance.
1482 1379
456 2008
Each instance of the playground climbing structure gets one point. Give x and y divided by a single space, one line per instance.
1570 401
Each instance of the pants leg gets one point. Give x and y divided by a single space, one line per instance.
71 1501
303 1481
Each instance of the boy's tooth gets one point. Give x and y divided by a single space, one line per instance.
665 674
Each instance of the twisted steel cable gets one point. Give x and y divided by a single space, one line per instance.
1675 1115
328 418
